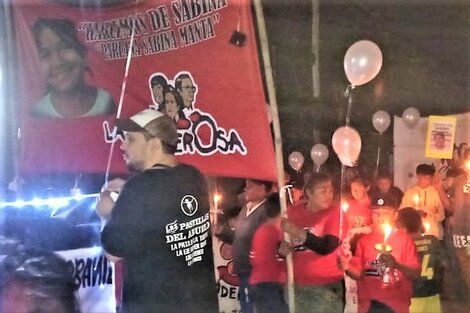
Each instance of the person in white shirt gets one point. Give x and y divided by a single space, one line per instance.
425 198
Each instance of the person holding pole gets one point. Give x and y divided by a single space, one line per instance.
313 226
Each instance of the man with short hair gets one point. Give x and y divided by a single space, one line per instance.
250 218
185 86
425 198
439 140
160 224
384 275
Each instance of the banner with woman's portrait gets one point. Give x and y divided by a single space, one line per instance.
196 61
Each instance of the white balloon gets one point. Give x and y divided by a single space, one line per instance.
411 117
296 160
347 145
319 154
381 121
362 62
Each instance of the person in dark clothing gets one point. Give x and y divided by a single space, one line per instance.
160 224
250 218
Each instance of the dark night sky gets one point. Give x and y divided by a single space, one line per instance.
425 47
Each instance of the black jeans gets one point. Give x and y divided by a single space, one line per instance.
269 298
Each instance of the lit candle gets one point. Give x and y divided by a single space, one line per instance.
416 200
217 197
345 206
384 247
427 226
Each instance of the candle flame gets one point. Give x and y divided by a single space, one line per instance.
416 199
427 226
345 206
387 229
217 198
467 165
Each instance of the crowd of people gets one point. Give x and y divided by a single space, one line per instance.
380 250
387 253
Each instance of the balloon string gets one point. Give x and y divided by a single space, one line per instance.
121 97
348 93
378 157
341 213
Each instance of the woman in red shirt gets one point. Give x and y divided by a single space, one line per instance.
314 227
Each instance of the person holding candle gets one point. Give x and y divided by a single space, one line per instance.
425 198
384 264
427 288
313 225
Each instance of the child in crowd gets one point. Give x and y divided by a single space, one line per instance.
375 267
358 215
425 198
384 187
358 212
267 257
426 288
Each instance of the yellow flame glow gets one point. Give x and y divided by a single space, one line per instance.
467 165
344 206
387 229
416 200
217 198
427 226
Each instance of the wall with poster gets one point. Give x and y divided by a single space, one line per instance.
410 146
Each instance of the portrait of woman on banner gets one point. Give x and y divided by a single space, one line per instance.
62 59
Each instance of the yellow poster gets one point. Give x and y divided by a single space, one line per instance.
440 137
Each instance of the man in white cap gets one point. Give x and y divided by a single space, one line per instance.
160 223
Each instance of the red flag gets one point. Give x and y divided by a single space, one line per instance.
194 60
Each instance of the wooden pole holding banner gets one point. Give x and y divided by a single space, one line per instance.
277 137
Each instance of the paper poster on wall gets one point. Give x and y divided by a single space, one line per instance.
440 137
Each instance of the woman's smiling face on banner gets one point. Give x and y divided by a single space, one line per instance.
61 64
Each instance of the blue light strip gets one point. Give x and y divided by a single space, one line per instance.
52 202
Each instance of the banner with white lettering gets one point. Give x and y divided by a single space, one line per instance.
410 146
195 61
94 276
227 280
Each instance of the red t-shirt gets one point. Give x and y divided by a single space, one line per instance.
267 266
398 296
358 214
311 268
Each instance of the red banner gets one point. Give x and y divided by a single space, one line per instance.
195 60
